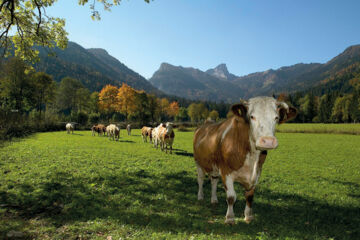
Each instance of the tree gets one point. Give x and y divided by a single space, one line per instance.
94 102
153 107
15 85
67 95
173 109
354 108
82 100
126 100
197 112
164 105
308 107
108 100
340 112
142 113
30 24
214 115
182 115
45 88
325 108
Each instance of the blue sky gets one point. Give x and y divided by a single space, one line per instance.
248 35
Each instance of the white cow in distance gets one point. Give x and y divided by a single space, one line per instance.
114 132
70 127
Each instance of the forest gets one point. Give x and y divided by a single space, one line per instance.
32 101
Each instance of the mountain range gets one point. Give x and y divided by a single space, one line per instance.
195 84
95 68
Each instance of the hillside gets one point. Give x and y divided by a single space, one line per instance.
273 81
93 67
194 84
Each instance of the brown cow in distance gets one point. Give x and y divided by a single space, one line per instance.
235 149
146 132
99 128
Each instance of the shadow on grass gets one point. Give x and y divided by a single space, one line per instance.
167 203
78 134
126 141
186 154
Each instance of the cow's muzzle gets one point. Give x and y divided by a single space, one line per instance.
266 143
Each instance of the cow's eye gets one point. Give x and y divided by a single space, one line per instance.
252 117
276 118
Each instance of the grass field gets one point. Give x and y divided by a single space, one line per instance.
60 186
345 128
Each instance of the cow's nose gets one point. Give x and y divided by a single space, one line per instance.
265 143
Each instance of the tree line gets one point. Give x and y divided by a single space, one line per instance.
33 98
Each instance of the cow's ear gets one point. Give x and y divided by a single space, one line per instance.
240 109
286 113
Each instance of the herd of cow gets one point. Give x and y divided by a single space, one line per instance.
233 150
162 135
112 131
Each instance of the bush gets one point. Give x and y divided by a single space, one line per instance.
182 128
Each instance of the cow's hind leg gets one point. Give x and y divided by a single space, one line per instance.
249 196
200 179
214 182
230 198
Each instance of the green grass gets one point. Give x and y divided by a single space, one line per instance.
60 186
345 128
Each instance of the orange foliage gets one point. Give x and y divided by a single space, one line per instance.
126 100
107 98
173 109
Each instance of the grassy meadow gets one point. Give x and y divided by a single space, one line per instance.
344 128
59 186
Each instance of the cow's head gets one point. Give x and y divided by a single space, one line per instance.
169 128
262 114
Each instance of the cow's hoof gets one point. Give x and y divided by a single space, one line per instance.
230 221
214 201
249 219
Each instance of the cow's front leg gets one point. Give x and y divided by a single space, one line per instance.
230 198
214 182
200 180
249 196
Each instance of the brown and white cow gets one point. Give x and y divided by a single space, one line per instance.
99 128
235 149
166 136
146 132
113 131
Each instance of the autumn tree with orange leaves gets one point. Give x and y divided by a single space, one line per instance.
108 98
126 100
173 109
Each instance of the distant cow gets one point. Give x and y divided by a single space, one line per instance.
166 136
99 128
128 129
146 132
236 149
70 127
114 132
